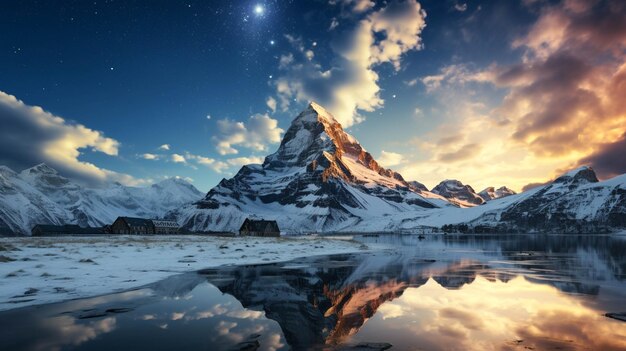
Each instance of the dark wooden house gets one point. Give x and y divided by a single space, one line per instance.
259 227
67 229
165 227
132 225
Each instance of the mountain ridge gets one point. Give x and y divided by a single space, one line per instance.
40 195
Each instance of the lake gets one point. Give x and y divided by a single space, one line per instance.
447 292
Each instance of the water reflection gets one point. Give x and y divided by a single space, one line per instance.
442 293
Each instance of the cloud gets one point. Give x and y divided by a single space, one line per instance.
351 84
609 160
241 161
566 97
271 103
388 158
256 134
148 156
176 158
464 152
165 147
215 165
460 7
563 102
29 135
457 74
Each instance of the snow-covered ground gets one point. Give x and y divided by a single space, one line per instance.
50 269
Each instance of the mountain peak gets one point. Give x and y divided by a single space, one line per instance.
315 113
317 142
41 168
457 192
583 173
490 193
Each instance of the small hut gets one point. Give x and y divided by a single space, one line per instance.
259 227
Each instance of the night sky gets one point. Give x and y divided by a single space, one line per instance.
490 93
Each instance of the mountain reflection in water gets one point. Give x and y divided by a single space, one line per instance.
442 293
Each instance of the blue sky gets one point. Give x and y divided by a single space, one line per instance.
185 73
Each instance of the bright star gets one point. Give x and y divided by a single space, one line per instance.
258 9
272 42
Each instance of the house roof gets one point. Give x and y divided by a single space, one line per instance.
260 225
137 222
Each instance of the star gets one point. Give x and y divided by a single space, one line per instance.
112 68
393 96
259 10
272 42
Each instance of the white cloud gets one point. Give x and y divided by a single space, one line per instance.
29 135
456 74
148 156
333 24
165 147
285 60
271 103
309 55
351 85
388 158
211 163
355 6
241 161
460 7
176 158
256 134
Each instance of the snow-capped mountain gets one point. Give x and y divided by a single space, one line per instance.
458 193
574 202
491 193
39 195
319 179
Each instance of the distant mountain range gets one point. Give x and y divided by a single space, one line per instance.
319 180
39 195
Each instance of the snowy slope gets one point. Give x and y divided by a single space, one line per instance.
39 195
320 179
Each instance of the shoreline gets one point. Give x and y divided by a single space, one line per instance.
41 270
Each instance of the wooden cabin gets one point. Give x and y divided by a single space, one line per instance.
165 227
66 229
259 227
132 225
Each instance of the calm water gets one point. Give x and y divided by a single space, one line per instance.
440 293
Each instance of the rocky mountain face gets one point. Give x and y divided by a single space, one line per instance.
491 193
458 193
320 179
39 195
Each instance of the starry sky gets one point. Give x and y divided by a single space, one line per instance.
491 93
